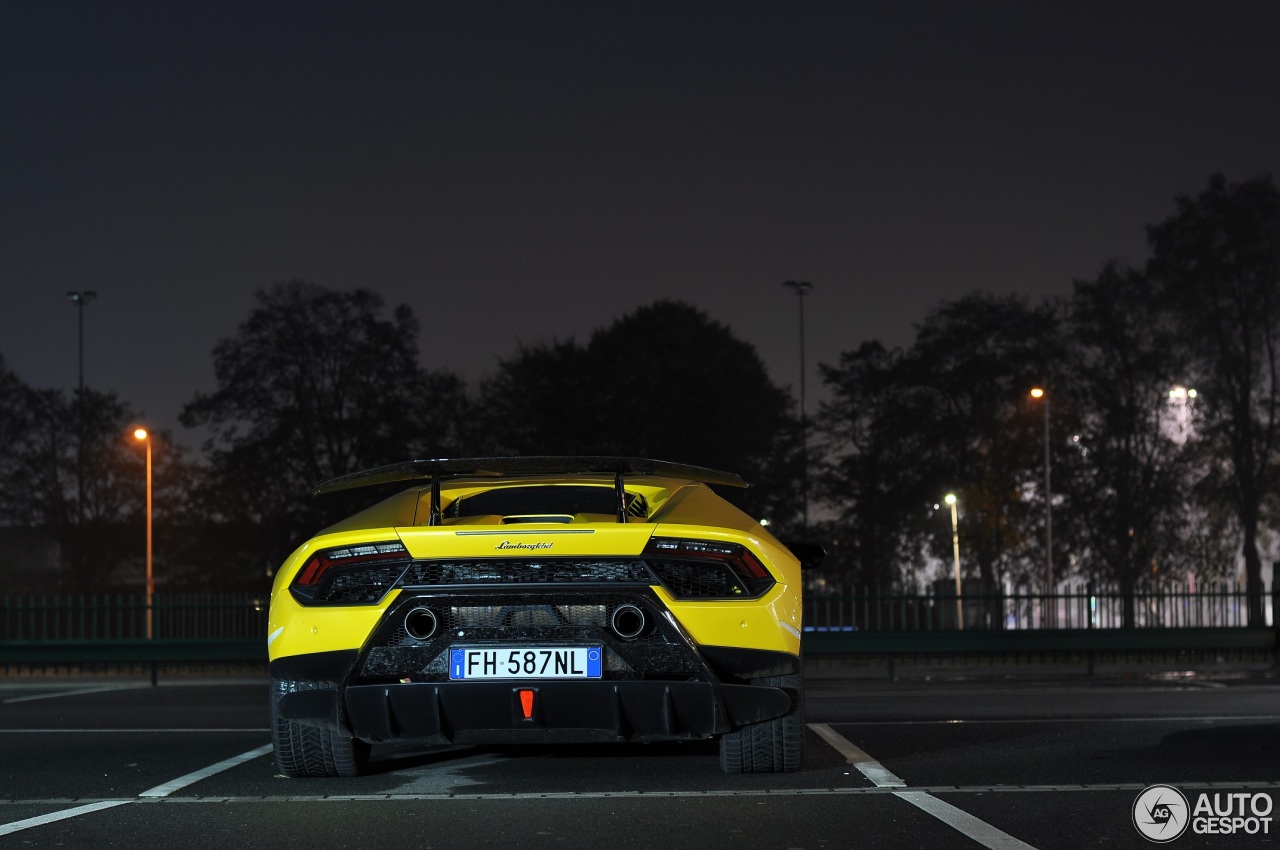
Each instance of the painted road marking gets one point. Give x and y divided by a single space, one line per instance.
1210 718
854 755
956 818
1181 718
158 792
960 820
191 778
884 782
525 796
18 826
69 693
202 730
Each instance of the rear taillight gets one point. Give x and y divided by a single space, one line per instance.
350 574
707 569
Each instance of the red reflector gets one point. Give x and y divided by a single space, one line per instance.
526 702
312 572
755 569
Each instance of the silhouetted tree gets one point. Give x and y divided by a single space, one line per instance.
38 477
945 415
541 401
664 381
15 432
1129 507
1218 262
978 357
869 432
314 384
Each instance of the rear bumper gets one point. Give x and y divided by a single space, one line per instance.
493 711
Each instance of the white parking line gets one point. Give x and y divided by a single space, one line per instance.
1130 788
19 825
191 778
1032 721
160 791
123 731
866 765
956 818
69 693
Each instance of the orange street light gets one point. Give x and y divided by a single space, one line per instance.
143 436
951 500
1039 393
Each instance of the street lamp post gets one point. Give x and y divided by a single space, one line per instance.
801 289
950 499
80 298
142 435
1039 393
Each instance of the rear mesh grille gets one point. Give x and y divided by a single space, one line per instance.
699 579
512 620
504 571
691 578
353 587
526 617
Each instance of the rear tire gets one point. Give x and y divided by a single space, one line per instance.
771 746
307 751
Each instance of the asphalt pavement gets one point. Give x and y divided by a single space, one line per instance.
945 756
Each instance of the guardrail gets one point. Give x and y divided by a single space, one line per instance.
1085 648
123 616
95 632
1042 641
1075 605
129 655
885 649
41 632
156 651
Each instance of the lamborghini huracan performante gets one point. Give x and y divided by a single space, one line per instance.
534 600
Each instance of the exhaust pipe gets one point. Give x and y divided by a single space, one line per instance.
628 621
421 623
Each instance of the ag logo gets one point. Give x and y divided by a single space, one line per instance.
1160 813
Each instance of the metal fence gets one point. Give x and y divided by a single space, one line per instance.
122 616
119 616
1082 606
40 633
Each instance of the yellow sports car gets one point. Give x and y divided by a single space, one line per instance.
535 600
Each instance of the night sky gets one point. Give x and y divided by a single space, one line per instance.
521 172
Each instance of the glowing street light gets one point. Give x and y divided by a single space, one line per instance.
144 436
950 499
1039 393
1177 425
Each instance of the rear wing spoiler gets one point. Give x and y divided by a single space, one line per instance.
438 469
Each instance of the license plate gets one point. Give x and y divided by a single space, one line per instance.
534 662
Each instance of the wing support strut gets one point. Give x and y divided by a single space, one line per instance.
622 496
434 518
